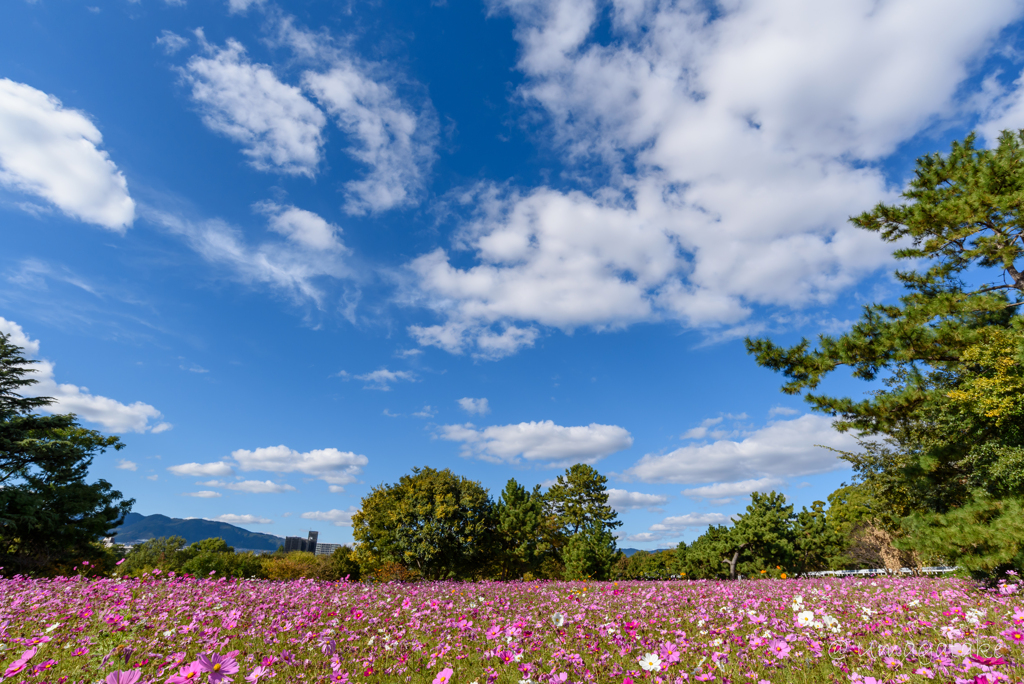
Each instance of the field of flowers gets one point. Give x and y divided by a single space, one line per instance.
181 630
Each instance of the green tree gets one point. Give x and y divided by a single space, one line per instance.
520 531
707 557
160 553
946 429
433 520
816 542
589 554
579 501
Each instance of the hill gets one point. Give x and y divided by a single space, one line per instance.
138 528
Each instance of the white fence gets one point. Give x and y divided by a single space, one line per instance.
938 569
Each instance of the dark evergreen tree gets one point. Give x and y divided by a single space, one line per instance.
521 531
50 516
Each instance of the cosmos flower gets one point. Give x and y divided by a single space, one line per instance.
650 662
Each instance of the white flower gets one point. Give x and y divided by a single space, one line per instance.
959 649
558 619
805 618
831 623
651 662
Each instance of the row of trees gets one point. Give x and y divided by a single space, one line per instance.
438 525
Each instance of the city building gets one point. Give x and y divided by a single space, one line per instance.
299 544
326 549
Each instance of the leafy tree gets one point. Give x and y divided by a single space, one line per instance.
578 501
589 554
433 520
706 557
646 565
816 542
163 553
946 431
520 533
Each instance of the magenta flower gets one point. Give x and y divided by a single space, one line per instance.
186 674
444 676
20 664
218 666
779 648
123 677
255 675
1014 635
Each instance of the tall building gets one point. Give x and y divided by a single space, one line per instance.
326 549
299 544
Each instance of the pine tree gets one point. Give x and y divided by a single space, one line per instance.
520 530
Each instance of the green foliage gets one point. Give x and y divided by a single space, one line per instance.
943 441
984 537
578 501
589 554
816 541
161 553
520 532
645 565
433 520
50 516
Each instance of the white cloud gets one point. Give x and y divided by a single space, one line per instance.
206 494
334 516
241 6
109 413
539 442
383 379
722 152
52 152
681 522
426 412
622 500
337 468
279 129
780 449
292 268
724 490
215 469
125 464
782 411
643 537
478 406
251 486
233 519
301 226
702 431
171 42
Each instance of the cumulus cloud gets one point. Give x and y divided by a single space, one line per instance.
383 379
337 468
279 129
171 42
622 500
233 519
478 406
125 464
111 414
215 469
334 516
388 136
293 268
783 448
724 490
301 226
53 153
205 494
722 151
539 442
677 523
251 486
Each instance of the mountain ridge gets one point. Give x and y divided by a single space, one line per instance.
138 528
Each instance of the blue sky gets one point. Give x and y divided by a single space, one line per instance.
290 250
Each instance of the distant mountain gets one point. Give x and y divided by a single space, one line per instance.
629 552
138 528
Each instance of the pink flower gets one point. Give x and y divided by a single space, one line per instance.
444 676
779 648
123 677
20 664
1014 635
255 675
218 666
186 674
